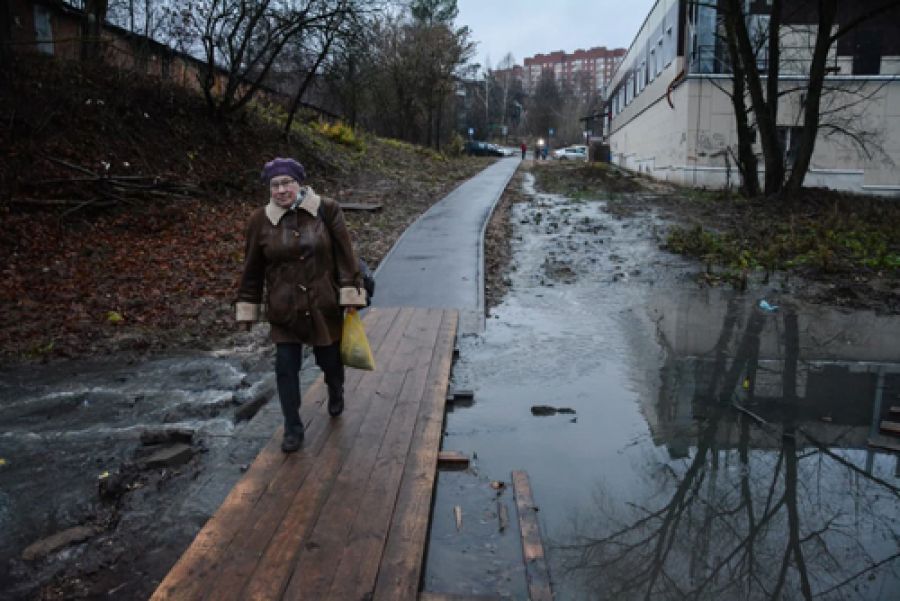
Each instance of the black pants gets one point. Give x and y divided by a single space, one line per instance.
288 360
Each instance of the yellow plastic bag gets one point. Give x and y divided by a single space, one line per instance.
355 351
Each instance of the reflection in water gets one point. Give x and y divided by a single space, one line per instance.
773 492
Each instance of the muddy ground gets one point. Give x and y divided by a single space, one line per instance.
827 247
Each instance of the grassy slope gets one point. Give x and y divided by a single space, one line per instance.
156 271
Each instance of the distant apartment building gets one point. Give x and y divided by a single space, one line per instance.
582 70
669 113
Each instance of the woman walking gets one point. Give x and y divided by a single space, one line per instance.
299 250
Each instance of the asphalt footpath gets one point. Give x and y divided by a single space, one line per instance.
439 260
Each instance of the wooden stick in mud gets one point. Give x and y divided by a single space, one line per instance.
536 571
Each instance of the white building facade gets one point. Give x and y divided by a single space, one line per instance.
669 113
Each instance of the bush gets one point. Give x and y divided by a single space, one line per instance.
342 134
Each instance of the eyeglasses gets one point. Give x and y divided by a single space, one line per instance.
275 184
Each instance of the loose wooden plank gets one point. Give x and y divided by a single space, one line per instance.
188 578
452 460
502 516
360 206
275 567
884 442
252 541
890 427
367 484
400 570
359 565
320 466
241 557
536 571
448 597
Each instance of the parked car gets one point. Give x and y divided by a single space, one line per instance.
571 153
478 148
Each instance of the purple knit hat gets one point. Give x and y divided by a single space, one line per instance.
279 166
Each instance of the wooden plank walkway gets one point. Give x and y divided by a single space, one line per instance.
347 516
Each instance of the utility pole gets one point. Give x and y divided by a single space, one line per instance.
487 95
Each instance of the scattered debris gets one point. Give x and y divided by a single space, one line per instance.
546 410
53 543
765 306
176 454
452 460
157 436
502 515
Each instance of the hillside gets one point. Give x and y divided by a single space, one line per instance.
122 206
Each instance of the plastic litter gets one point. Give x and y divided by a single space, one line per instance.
765 306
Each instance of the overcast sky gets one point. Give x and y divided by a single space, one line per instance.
529 27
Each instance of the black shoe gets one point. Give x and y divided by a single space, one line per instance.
335 400
291 442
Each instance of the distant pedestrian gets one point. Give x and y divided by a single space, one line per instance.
298 248
537 153
544 153
523 147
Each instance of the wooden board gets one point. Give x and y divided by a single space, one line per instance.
401 563
447 597
890 427
353 505
269 549
209 553
536 571
888 443
360 206
366 490
453 460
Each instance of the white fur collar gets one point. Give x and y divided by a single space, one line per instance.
310 204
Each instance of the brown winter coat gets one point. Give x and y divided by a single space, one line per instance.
305 261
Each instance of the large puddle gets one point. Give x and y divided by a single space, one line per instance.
717 450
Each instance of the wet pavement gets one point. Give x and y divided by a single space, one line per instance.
716 450
438 261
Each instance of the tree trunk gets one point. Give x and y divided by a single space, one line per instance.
438 123
766 124
811 106
746 159
295 103
92 28
6 53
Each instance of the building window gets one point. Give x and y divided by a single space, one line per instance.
789 138
867 54
670 46
43 31
659 56
652 66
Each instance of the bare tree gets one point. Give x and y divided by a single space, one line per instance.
92 27
832 21
344 21
244 38
6 53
